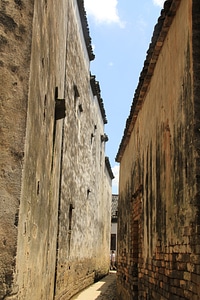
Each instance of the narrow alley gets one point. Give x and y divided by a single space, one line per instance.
105 289
67 213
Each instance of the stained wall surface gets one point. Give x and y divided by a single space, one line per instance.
15 51
56 184
158 225
85 203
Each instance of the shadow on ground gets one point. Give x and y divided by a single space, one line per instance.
108 288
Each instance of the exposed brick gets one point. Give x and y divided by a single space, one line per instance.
166 164
195 278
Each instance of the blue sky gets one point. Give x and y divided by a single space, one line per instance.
121 32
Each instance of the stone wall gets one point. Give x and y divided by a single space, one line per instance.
158 242
55 220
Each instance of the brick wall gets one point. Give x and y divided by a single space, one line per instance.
161 156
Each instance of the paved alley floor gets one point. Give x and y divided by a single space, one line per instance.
105 289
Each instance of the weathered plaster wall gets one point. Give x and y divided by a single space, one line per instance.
158 243
15 50
38 215
83 244
56 188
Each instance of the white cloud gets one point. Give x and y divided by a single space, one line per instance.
159 2
104 11
115 181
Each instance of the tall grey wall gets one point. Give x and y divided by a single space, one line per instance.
56 187
84 205
38 214
15 51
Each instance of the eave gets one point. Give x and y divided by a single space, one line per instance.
160 32
85 28
97 92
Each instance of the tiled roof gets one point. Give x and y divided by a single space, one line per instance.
108 166
97 92
160 32
85 28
